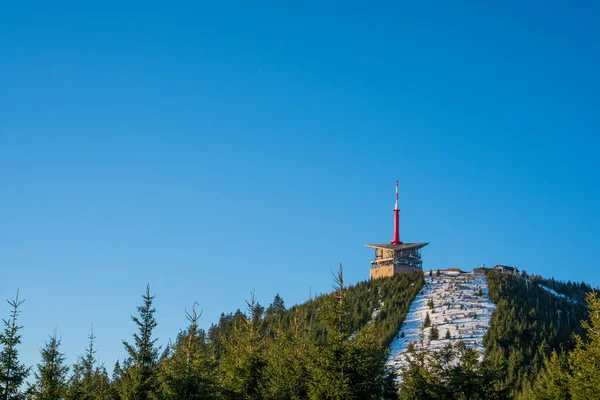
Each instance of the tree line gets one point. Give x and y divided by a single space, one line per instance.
334 346
331 347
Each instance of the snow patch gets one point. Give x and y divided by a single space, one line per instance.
555 293
461 306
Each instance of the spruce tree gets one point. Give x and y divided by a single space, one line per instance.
289 356
434 333
140 380
329 377
585 358
349 363
553 381
89 363
89 381
51 376
12 373
242 362
427 321
430 303
189 373
75 389
116 382
277 306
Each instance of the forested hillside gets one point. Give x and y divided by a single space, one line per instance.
539 346
529 323
331 347
334 346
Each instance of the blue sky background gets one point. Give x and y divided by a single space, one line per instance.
212 150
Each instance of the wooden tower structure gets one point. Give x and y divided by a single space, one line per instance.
396 257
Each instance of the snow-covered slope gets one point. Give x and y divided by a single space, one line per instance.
461 306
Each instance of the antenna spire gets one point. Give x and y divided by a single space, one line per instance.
396 207
396 220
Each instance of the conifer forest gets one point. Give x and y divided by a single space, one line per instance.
334 346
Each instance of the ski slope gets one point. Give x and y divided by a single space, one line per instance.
458 308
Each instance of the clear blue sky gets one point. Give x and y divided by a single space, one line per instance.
213 150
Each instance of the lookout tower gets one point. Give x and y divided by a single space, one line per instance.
396 257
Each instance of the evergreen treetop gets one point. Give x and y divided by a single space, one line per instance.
51 376
12 372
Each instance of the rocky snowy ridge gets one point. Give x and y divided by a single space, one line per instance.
461 311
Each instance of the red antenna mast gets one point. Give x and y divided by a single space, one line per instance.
396 220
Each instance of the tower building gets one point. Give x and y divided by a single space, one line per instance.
396 257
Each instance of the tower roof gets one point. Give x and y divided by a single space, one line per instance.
401 246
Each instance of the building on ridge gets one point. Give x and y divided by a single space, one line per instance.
506 268
396 257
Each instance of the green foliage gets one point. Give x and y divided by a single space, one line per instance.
346 367
335 346
430 303
242 363
139 375
453 372
427 321
289 355
434 333
527 325
51 376
189 372
276 308
12 372
553 381
584 360
89 381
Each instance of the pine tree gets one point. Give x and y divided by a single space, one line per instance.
329 378
434 333
75 389
51 376
348 363
289 356
466 377
242 362
116 383
88 381
12 373
188 373
448 336
452 372
88 364
101 384
430 303
427 321
553 381
277 306
139 378
417 378
585 358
